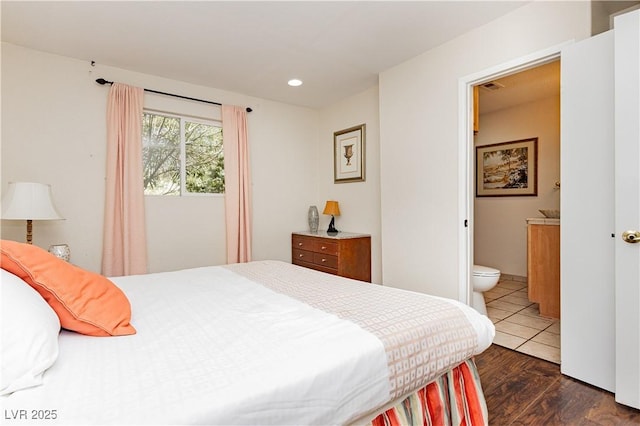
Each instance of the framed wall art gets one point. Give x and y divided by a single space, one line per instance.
507 168
348 154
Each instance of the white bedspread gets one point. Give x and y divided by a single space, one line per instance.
214 347
194 361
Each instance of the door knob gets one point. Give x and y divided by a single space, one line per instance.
631 236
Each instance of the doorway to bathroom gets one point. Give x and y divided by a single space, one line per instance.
598 77
518 106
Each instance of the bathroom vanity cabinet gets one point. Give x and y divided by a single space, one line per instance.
543 264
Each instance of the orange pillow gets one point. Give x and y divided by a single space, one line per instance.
85 302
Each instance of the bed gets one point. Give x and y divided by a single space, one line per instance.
264 342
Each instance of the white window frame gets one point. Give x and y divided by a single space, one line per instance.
183 151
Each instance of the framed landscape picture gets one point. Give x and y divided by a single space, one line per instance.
348 154
507 168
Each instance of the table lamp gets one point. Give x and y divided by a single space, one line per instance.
29 201
332 208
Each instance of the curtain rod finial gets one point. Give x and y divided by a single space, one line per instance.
103 81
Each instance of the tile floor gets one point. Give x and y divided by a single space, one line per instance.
519 325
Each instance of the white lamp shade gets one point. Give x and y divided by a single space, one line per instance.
29 201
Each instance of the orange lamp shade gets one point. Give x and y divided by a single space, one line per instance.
331 208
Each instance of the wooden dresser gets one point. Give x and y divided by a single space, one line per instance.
543 265
345 254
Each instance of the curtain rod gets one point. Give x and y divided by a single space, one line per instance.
103 82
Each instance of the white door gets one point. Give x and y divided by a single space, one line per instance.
587 298
600 202
627 207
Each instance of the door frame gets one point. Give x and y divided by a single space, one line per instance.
466 150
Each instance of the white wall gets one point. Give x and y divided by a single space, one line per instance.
359 201
53 117
53 131
419 139
500 229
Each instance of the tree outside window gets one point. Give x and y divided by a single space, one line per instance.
181 156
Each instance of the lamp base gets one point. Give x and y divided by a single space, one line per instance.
29 231
332 229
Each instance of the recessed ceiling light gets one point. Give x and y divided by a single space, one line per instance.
294 82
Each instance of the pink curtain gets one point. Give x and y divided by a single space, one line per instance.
237 182
124 247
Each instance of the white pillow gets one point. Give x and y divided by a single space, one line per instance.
29 331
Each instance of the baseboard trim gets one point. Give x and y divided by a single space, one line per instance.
510 277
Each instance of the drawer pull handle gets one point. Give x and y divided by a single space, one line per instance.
323 248
324 260
299 244
301 255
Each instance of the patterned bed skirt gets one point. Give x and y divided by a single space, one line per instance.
455 398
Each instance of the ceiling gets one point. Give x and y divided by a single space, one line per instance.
544 81
337 48
530 85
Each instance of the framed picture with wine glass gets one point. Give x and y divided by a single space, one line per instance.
348 154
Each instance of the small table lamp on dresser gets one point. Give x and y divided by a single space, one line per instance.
29 201
333 209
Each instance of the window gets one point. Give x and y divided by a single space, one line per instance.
181 155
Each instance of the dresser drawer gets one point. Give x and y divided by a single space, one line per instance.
302 243
327 247
325 260
302 256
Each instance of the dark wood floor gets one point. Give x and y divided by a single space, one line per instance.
522 390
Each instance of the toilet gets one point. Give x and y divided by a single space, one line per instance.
483 279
